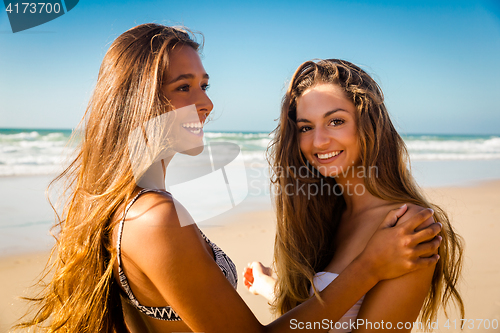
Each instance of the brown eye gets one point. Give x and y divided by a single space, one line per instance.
184 87
304 129
337 122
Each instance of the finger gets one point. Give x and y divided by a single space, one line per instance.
426 262
249 278
393 216
426 234
429 248
413 222
247 271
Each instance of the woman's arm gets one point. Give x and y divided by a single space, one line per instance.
347 288
396 302
185 274
258 278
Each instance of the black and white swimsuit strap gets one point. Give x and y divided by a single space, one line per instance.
167 313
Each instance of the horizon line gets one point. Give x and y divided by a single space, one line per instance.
252 131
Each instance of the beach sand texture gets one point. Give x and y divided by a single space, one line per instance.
247 234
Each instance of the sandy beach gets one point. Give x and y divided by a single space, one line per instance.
247 234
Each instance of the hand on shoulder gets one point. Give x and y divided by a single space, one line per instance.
411 211
396 248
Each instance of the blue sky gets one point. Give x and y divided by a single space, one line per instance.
436 61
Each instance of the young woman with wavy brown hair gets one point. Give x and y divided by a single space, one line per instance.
124 261
343 166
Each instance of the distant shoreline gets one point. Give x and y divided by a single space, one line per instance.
29 129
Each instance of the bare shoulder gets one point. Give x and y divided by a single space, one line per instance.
399 299
155 229
156 222
158 210
152 209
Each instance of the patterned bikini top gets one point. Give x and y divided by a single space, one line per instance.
167 313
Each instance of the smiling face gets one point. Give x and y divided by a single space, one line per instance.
186 84
327 129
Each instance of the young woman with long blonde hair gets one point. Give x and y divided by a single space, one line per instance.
336 137
123 259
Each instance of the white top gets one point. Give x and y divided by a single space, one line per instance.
321 281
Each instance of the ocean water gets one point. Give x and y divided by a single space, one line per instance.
29 152
30 158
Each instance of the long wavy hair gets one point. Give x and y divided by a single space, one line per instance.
81 294
307 224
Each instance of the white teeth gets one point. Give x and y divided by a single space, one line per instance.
329 155
196 126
